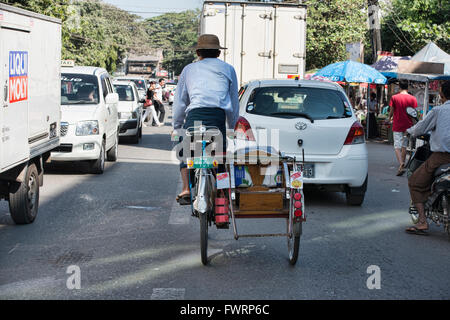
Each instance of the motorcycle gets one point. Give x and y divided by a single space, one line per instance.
437 207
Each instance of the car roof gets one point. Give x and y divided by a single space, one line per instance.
84 70
122 82
295 83
126 78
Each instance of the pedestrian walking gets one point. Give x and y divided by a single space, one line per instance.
401 122
158 101
150 111
373 111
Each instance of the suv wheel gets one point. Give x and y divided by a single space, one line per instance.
98 166
113 153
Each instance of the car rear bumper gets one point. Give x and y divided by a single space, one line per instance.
128 127
349 167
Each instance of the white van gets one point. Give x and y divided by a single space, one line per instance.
89 120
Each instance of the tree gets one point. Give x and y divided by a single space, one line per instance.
331 24
176 33
408 25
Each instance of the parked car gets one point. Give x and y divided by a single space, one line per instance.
141 84
130 110
172 95
89 119
314 116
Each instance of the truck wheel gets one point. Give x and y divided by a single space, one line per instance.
113 153
24 197
98 166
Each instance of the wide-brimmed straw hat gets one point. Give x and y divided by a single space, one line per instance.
208 41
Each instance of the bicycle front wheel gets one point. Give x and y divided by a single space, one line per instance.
204 237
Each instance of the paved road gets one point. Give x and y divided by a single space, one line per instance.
132 241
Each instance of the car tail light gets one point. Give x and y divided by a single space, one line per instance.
298 212
356 134
243 130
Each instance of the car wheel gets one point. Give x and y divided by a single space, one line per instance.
354 199
135 138
24 197
113 153
98 166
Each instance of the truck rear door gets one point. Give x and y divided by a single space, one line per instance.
14 76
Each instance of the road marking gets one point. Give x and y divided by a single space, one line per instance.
26 286
179 214
143 208
168 294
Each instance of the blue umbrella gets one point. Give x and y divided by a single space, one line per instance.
351 71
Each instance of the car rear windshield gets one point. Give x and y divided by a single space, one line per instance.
125 92
140 84
79 89
293 102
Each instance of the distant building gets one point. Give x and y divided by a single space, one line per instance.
144 64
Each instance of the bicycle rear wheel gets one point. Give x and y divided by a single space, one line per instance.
204 237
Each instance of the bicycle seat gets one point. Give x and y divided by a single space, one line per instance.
445 168
201 130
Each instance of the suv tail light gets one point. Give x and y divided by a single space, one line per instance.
356 134
243 130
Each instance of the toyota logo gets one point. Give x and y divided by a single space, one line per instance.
300 126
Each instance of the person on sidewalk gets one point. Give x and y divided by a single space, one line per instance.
213 107
401 122
438 122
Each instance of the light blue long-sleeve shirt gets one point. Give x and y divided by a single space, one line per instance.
208 83
438 122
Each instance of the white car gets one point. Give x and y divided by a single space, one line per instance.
130 110
89 120
141 84
316 117
172 96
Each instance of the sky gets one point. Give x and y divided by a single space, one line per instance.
152 8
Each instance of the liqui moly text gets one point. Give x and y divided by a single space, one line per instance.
18 76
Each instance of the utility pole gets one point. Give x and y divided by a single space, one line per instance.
374 26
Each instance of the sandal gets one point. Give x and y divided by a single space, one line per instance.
415 230
401 170
184 200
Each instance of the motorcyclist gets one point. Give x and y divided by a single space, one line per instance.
207 91
437 121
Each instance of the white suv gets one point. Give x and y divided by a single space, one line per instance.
316 117
89 120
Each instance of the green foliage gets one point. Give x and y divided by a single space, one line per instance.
331 24
409 24
177 34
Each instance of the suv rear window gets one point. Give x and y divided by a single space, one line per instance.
125 92
292 102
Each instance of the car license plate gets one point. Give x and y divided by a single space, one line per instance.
308 170
201 163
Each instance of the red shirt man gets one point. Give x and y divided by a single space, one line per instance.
399 102
401 121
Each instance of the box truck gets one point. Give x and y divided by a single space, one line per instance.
264 40
30 85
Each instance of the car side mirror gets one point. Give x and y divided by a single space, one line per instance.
112 98
142 100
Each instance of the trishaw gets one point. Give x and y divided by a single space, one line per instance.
256 183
